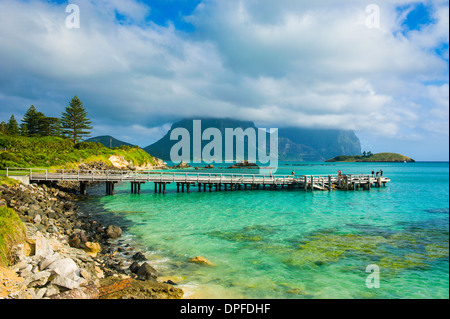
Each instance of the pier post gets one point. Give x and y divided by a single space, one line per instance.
305 183
329 183
188 185
346 182
83 188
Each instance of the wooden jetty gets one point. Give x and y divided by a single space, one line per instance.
204 181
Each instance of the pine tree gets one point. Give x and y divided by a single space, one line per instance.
74 120
3 128
34 121
12 127
23 129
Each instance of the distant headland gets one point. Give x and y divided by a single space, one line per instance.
379 157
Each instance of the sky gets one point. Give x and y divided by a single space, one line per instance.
380 68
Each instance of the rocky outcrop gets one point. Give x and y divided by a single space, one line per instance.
69 251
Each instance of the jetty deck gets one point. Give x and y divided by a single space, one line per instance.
204 181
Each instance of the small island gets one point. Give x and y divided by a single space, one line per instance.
244 164
379 157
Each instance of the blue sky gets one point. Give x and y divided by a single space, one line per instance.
138 66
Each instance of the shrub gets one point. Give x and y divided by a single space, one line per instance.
12 231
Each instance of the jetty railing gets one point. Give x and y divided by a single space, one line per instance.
320 182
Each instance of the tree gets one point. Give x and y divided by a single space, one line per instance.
50 126
74 121
3 128
12 127
34 121
23 129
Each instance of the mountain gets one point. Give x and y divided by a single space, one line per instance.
305 144
294 144
108 141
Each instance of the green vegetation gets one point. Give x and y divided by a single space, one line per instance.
74 121
12 231
57 152
50 142
379 157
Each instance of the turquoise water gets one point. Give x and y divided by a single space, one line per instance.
296 244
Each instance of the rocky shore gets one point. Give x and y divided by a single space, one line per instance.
70 255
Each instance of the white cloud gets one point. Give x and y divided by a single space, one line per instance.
274 62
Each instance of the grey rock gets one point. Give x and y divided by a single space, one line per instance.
39 279
64 267
64 282
48 260
146 272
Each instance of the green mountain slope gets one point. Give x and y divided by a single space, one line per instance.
108 141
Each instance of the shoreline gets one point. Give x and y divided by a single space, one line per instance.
67 252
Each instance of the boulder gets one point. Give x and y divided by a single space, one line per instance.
201 260
134 267
42 248
39 279
92 249
146 272
74 241
48 260
65 282
64 267
113 232
139 256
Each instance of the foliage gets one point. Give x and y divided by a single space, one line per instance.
379 157
59 152
35 123
12 126
74 120
12 231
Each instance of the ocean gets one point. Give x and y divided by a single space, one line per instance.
384 243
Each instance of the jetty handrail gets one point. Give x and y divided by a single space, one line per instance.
186 177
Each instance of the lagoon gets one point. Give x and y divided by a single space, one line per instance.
291 243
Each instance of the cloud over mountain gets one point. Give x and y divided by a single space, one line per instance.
277 63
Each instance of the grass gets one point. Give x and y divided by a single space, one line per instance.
12 232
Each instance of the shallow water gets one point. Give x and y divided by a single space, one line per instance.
296 244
